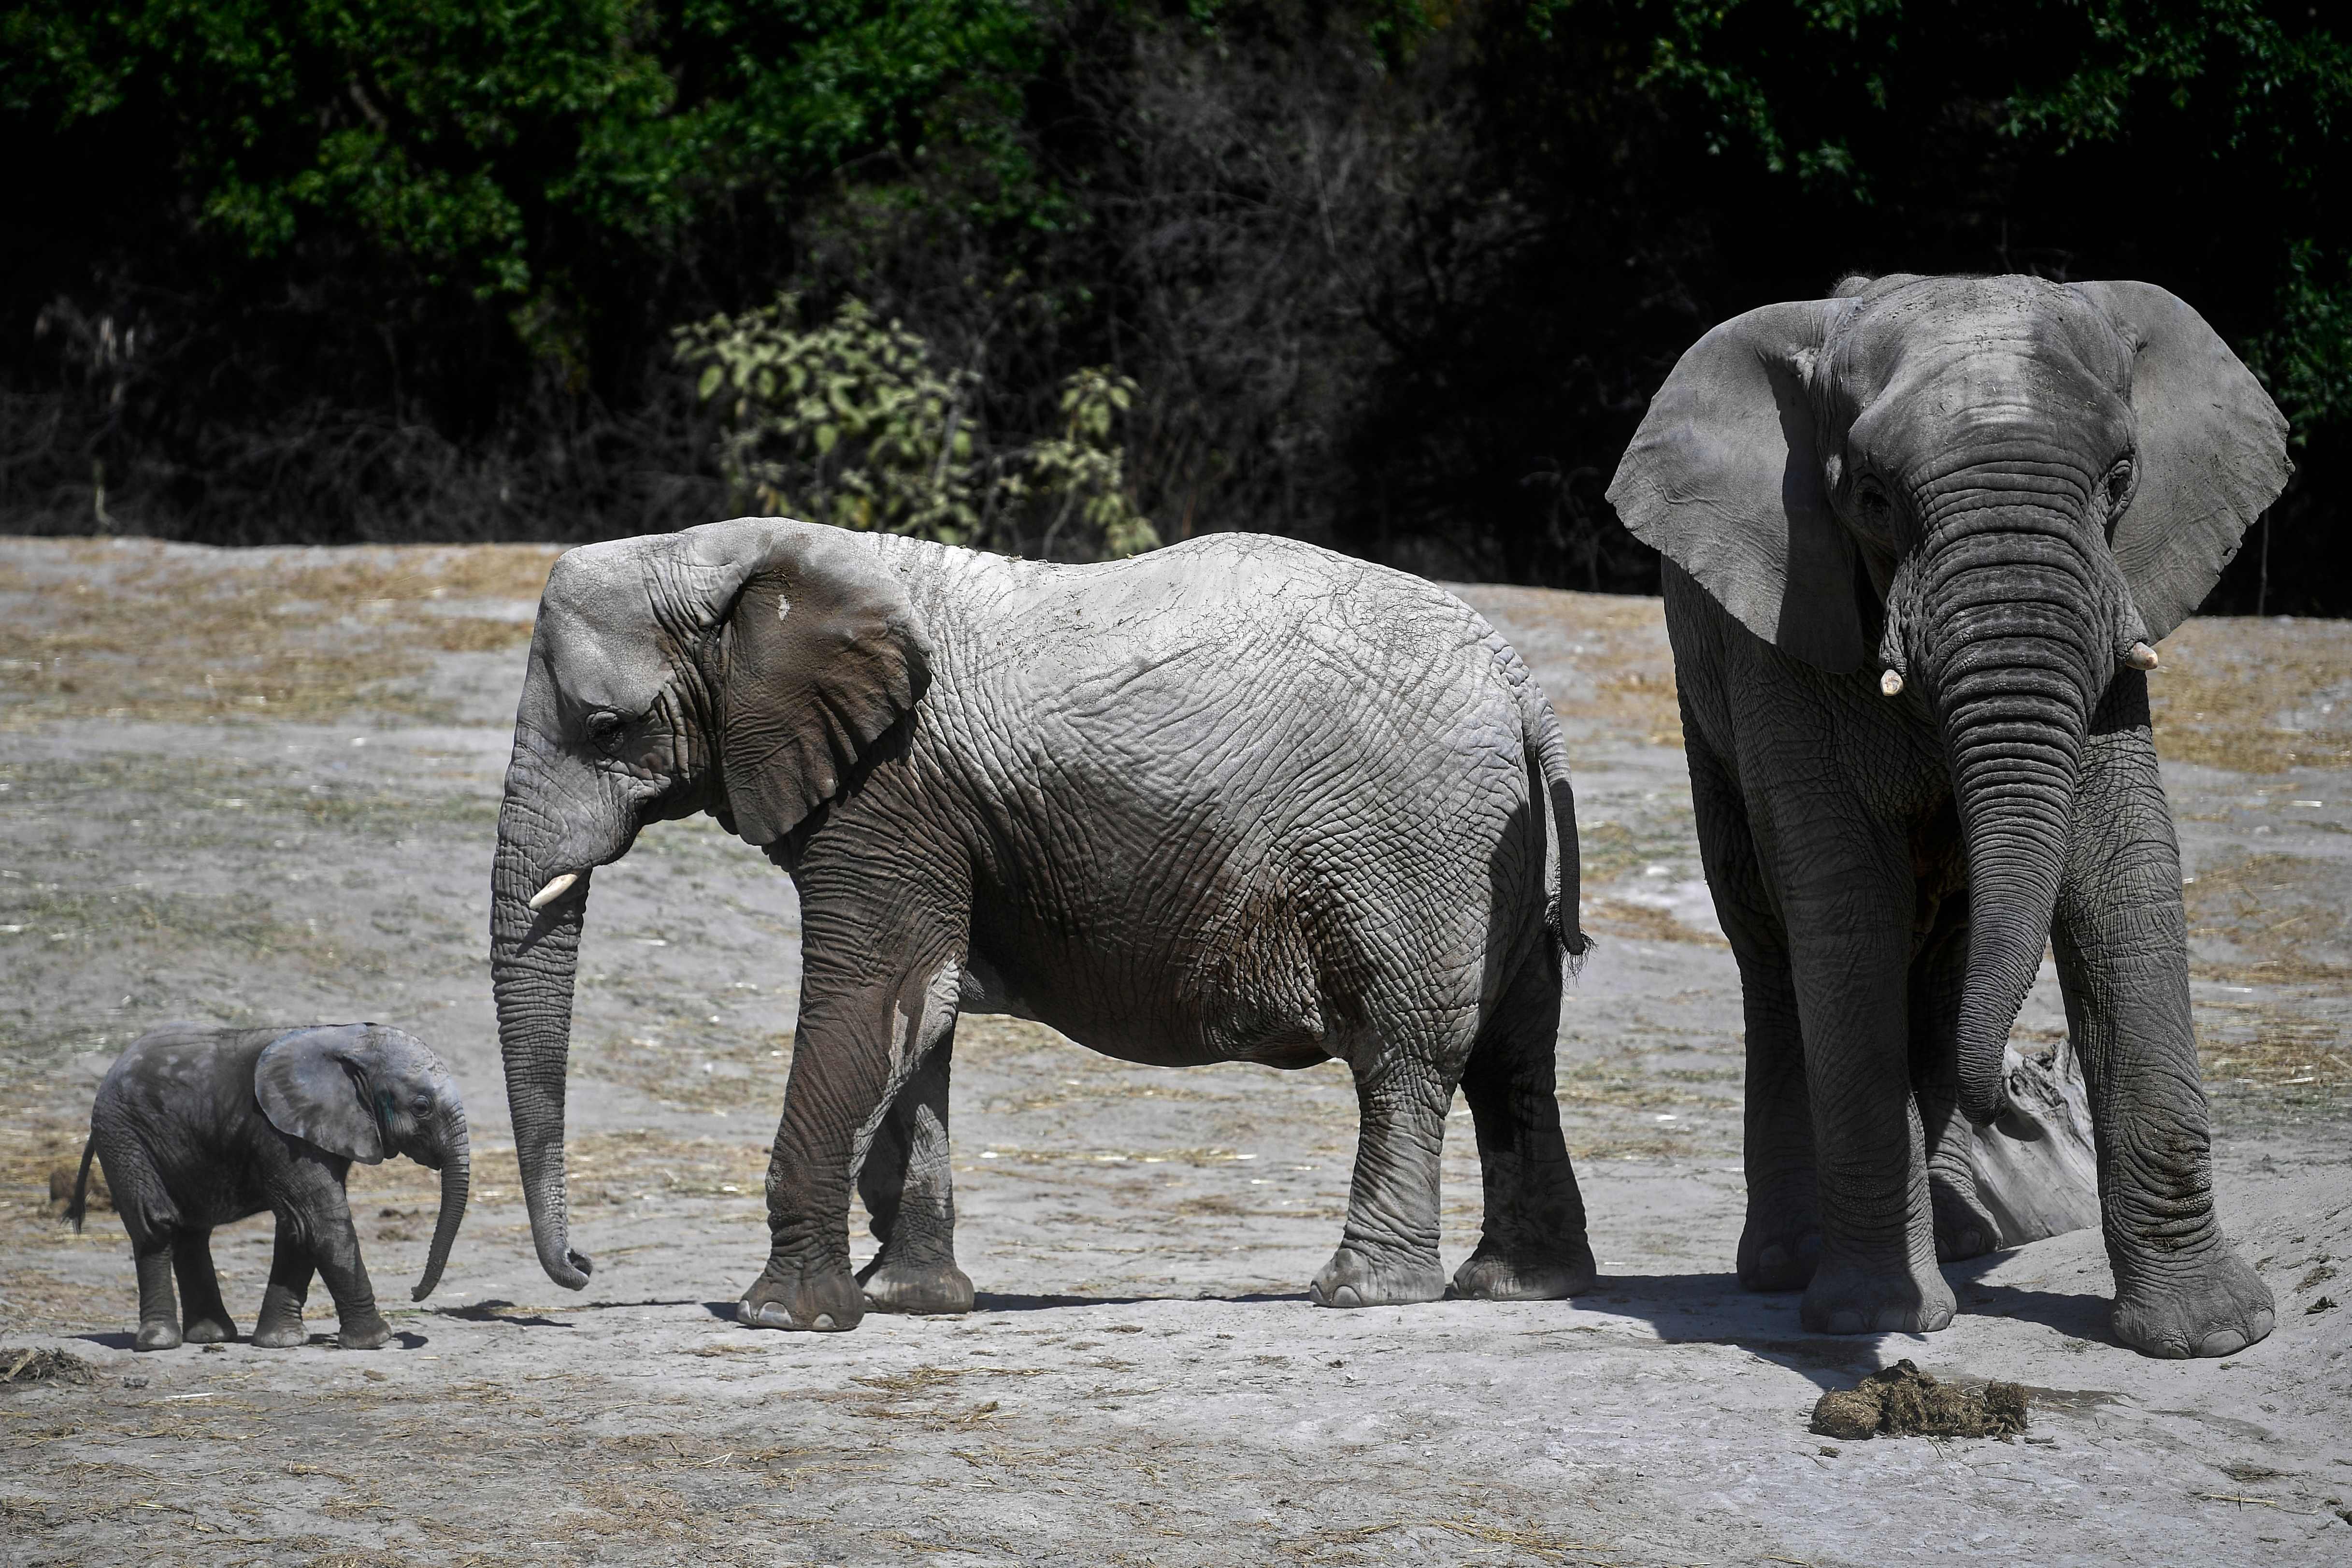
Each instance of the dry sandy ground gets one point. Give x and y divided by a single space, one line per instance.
261 787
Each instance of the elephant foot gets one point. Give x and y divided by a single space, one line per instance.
1352 1279
1525 1276
1779 1259
827 1303
2212 1309
1844 1298
280 1325
209 1332
916 1287
1965 1228
371 1332
157 1336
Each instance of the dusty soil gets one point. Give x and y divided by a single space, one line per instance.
261 787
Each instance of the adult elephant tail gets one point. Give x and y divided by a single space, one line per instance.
1547 754
79 1209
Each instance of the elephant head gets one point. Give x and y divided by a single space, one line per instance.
740 667
364 1092
1988 491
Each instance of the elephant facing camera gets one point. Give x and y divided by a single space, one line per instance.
195 1128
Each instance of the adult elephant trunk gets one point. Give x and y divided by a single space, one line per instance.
534 959
2010 636
456 1182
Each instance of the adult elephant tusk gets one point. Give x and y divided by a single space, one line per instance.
1891 683
2141 657
553 890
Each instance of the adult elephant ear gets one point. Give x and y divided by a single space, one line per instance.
1724 477
312 1085
2212 455
819 651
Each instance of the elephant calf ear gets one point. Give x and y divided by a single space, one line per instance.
820 651
1724 479
312 1085
2212 451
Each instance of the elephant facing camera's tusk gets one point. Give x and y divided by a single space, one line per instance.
553 890
2141 657
1891 683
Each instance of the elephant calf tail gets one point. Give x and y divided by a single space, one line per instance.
1547 752
79 1207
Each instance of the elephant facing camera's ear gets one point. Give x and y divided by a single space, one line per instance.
312 1085
1724 479
819 651
2212 451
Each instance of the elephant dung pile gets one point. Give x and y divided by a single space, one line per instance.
1903 1402
21 1368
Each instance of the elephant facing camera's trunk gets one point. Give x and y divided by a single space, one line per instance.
1921 538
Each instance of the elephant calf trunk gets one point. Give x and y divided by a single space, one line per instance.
456 1180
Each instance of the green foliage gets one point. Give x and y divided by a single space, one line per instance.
850 423
471 139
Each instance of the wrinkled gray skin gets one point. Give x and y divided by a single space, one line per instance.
198 1127
1241 799
1984 492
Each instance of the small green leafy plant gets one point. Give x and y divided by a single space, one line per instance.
851 422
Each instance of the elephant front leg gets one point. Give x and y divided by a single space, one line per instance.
313 1213
2122 943
910 1191
860 1044
206 1321
1388 1252
1965 1225
1780 1243
1850 937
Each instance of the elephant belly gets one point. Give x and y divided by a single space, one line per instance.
1249 997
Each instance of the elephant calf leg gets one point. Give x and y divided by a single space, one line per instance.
1533 1245
1388 1253
159 1309
206 1321
908 1190
279 1327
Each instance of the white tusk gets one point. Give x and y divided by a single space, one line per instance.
2141 657
1891 683
553 890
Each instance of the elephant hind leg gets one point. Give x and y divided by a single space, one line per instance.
1533 1245
279 1327
159 1309
908 1190
206 1321
1406 1065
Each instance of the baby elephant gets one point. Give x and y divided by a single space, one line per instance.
198 1127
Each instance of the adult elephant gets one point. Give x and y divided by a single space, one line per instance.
1920 539
1239 799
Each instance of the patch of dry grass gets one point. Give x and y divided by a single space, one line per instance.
1644 922
2282 925
2256 696
134 629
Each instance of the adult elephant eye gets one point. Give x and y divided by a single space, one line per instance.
604 731
2115 491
